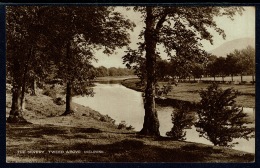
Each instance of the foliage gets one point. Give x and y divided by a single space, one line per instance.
220 120
75 33
198 70
59 101
26 45
238 62
49 91
211 69
179 30
106 118
24 59
220 66
134 60
164 89
245 60
112 71
181 119
122 125
231 67
79 41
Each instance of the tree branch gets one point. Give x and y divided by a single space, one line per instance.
160 22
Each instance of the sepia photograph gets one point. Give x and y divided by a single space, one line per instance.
133 84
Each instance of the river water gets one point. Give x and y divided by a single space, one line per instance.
123 104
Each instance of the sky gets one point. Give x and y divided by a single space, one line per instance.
241 27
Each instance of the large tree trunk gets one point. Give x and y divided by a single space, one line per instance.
68 110
16 113
24 79
151 122
33 87
23 96
23 88
68 100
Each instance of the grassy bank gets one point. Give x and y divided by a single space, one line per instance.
190 91
88 137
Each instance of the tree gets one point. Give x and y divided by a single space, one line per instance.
245 61
248 57
220 120
136 61
112 71
102 71
162 70
179 30
220 65
77 32
217 67
231 65
197 70
23 30
210 67
181 119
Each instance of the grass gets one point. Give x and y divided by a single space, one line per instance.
85 137
59 144
190 91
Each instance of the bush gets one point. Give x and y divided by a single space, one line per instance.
164 90
181 120
220 120
106 118
122 125
49 92
130 127
59 101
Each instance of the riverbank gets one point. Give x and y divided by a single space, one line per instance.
87 137
189 92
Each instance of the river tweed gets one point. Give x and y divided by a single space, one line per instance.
126 105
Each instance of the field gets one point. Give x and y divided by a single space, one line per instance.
190 91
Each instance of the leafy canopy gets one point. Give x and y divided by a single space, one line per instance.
178 32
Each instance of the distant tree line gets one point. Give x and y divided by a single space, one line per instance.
112 71
238 62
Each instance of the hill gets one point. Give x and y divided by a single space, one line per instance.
230 46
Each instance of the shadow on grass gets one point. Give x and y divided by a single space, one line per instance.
204 149
38 131
121 149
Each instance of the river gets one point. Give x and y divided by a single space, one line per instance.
123 104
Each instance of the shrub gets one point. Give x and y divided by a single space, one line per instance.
164 90
122 125
130 127
106 118
49 92
220 120
59 101
181 120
